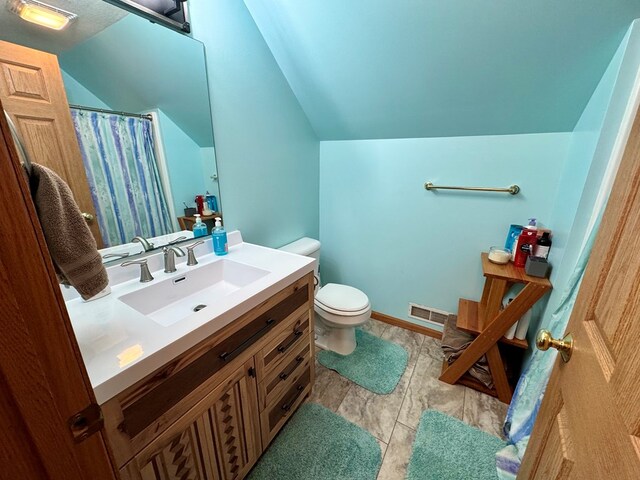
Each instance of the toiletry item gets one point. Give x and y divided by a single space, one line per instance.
543 246
523 326
499 255
212 202
207 212
511 332
526 242
537 267
512 238
533 224
508 298
200 204
199 228
188 211
220 245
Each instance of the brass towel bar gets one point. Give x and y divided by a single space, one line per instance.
513 189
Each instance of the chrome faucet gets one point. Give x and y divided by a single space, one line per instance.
145 274
145 243
170 253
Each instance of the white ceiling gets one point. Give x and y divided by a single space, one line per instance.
93 17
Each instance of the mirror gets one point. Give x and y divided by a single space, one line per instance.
139 103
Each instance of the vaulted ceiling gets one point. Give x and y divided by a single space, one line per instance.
430 68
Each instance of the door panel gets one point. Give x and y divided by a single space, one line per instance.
41 387
32 92
589 421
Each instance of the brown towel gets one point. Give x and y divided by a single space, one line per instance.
454 342
71 244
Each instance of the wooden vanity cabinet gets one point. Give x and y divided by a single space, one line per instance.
252 375
219 438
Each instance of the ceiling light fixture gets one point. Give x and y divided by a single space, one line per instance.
42 14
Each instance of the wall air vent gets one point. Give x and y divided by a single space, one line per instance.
428 314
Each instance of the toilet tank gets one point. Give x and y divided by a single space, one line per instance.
309 247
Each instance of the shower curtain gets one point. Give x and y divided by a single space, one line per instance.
529 392
119 160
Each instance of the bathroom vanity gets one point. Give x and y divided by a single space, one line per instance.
220 382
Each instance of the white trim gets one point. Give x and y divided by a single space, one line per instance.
162 167
616 155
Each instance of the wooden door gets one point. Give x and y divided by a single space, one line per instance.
43 382
589 422
218 439
32 92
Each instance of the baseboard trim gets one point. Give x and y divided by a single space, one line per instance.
406 325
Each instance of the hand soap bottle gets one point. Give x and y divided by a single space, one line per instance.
220 246
199 228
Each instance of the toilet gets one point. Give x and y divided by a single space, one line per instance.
339 308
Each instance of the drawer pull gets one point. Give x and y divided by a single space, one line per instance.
287 406
229 355
295 336
284 375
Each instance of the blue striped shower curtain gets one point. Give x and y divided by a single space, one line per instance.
120 163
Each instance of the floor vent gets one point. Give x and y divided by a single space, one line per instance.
428 314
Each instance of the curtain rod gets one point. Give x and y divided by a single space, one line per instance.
102 110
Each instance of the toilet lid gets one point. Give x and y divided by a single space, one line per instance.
342 298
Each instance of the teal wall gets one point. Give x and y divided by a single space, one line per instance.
267 153
382 232
184 162
78 94
135 65
591 152
366 69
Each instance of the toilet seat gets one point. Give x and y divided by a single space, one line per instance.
341 300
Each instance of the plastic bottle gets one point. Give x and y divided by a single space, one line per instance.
199 228
543 246
220 245
526 241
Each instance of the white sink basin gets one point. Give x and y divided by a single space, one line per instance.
195 289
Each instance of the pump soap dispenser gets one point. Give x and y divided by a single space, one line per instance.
199 228
220 245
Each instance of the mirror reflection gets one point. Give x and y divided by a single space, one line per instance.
143 162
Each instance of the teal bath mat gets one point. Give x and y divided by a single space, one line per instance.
447 449
375 364
320 445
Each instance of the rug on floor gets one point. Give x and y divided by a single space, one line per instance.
318 444
375 364
446 448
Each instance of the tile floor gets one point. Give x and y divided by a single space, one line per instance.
393 418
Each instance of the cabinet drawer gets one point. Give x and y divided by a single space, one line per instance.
274 417
278 379
294 334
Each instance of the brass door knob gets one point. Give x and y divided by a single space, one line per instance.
88 218
544 341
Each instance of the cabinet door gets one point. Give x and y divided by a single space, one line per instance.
218 439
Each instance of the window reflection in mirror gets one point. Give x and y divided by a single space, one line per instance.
141 114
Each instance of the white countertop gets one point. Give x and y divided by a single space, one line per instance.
120 346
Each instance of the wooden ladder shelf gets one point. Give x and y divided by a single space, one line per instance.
486 320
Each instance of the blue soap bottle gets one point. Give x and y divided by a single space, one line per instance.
199 228
220 245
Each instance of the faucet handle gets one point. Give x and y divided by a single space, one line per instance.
116 255
177 240
191 259
145 274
